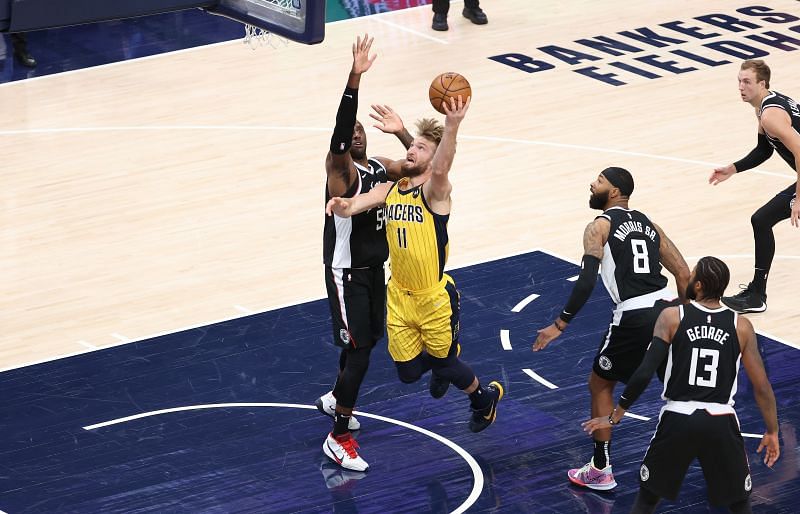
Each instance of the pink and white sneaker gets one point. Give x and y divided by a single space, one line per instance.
343 450
593 478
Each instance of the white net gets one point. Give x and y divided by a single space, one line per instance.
257 37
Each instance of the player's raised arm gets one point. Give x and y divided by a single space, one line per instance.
346 207
338 163
442 161
594 238
389 122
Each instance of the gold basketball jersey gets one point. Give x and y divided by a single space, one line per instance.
417 237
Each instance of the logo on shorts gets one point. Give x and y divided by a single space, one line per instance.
344 336
604 363
644 473
791 202
748 483
456 329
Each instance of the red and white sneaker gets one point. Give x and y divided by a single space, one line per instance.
343 450
326 404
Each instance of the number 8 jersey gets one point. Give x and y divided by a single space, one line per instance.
631 264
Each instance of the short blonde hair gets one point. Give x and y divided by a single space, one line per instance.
760 68
431 129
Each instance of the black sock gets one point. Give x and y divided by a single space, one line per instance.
479 398
759 283
341 423
602 454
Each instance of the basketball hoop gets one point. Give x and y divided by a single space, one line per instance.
256 37
275 22
259 36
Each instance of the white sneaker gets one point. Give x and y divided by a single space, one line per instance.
343 450
327 405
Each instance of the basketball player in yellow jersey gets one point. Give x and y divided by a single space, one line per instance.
422 301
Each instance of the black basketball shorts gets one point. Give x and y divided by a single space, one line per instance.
357 299
623 346
717 444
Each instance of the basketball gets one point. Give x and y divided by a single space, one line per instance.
448 85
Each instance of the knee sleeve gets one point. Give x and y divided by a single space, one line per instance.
355 368
453 369
410 371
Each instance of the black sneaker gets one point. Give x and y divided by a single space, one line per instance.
439 22
748 300
475 15
484 417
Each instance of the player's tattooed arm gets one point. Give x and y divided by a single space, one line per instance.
595 236
672 259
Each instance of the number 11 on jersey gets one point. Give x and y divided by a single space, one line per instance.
402 241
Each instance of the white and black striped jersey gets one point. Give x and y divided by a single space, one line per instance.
778 101
631 265
358 241
703 359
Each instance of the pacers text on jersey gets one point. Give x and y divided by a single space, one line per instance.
403 212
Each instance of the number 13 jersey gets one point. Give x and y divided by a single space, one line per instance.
703 359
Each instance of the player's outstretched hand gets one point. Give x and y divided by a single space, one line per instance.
721 174
388 120
456 109
338 206
773 448
361 58
545 337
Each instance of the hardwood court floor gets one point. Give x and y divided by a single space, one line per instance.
166 192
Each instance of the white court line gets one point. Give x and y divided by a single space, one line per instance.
244 309
412 31
89 345
315 129
611 151
572 279
121 337
539 379
477 474
754 436
524 303
636 416
307 300
505 339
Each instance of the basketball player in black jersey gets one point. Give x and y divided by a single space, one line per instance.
629 249
703 343
354 250
778 129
